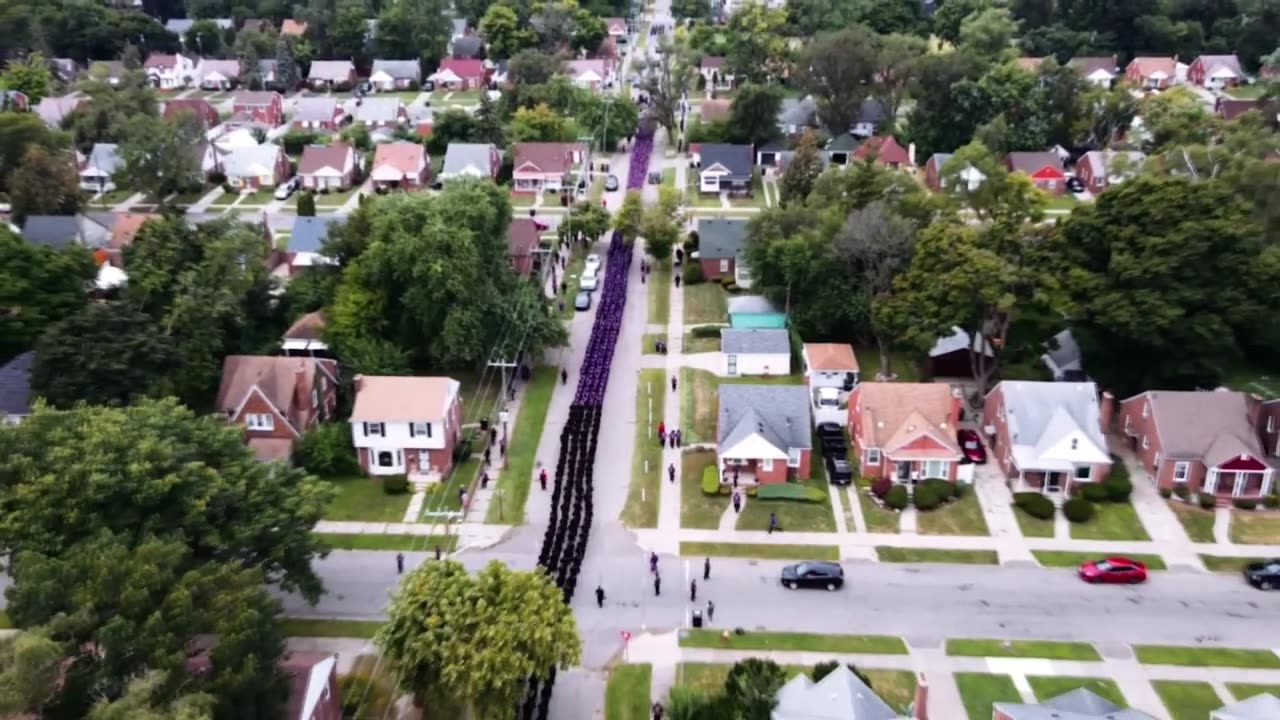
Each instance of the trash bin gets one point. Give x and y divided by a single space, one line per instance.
697 618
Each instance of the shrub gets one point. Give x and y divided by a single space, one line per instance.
959 490
924 498
693 273
1093 492
462 451
1182 490
1271 501
217 177
731 287
751 491
726 281
1078 510
1166 493
710 480
881 486
1245 504
706 331
364 694
306 204
1034 504
691 242
395 484
896 498
1207 501
326 450
1118 487
941 488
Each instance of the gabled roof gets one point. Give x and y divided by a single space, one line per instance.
885 149
1259 707
522 237
737 160
1053 425
1231 108
551 158
254 98
873 110
1087 66
1213 426
712 62
1155 66
467 47
893 414
332 70
463 68
577 68
52 110
103 158
957 340
798 111
749 341
396 398
15 385
1216 64
252 161
60 231
315 110
397 69
203 110
843 143
468 158
161 61
335 157
309 674
838 696
310 233
293 27
379 110
308 327
721 237
778 413
615 25
1032 162
831 357
750 304
404 158
229 69
1079 704
1130 162
712 110
278 379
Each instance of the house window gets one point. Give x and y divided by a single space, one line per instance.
1145 442
373 429
1128 423
419 428
936 469
1084 472
1146 410
1180 471
767 464
873 456
724 265
793 457
260 421
385 459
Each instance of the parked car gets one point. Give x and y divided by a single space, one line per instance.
1114 570
286 188
593 263
611 183
582 301
589 281
827 575
1074 184
839 472
971 445
1264 575
832 436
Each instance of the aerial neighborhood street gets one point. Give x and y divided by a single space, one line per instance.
874 360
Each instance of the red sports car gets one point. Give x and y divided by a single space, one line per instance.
1114 570
971 445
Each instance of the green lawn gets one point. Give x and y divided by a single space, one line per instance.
760 550
1046 688
335 199
698 510
878 519
1187 700
699 402
895 687
792 515
659 283
1255 528
669 178
1063 558
933 555
362 499
803 642
1113 521
262 197
979 691
1198 523
694 344
523 200
705 302
306 627
958 517
1033 526
627 695
648 346
905 365
1244 691
972 647
1247 92
421 543
1218 563
517 476
1191 656
1061 202
113 197
641 509
5 622
757 194
460 97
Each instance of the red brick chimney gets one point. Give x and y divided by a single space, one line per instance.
358 380
921 704
1107 410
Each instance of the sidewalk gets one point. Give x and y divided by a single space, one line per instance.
669 501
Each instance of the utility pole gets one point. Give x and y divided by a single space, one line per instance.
503 366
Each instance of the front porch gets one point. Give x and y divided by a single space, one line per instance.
1047 481
1239 484
908 471
755 471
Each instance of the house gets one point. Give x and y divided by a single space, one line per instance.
616 27
755 352
63 68
256 167
1152 73
841 695
296 28
829 365
968 179
714 75
109 71
306 335
1259 707
389 75
754 311
331 74
406 425
267 71
714 110
277 399
98 170
840 149
726 168
883 150
121 230
1229 108
167 72
15 388
905 431
522 244
546 166
1210 442
306 247
54 110
1078 704
763 432
219 74
459 29
455 75
421 120
258 25
314 690
950 355
62 231
1100 169
722 247
588 74
1063 358
470 160
468 47
376 112
1048 436
318 113
1215 71
400 166
872 115
1098 71
1044 169
262 106
327 167
14 100
202 110
797 115
775 154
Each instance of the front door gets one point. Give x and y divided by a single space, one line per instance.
424 461
733 365
1053 482
903 471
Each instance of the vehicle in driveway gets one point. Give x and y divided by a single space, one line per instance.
582 301
839 472
1074 184
1264 575
818 574
971 446
1116 570
831 436
285 189
589 281
611 183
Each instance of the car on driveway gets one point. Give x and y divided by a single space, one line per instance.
818 574
582 301
611 183
593 263
839 472
831 435
1074 184
971 445
1264 575
1120 570
286 188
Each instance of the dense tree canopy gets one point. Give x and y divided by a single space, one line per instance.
39 286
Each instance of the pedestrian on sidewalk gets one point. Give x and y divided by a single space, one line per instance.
487 456
656 711
564 287
399 563
484 480
599 596
642 278
673 383
657 585
564 376
735 477
706 569
542 479
673 439
737 502
463 497
662 428
502 448
773 523
693 591
679 438
662 439
493 435
653 562
437 552
671 472
677 280
711 611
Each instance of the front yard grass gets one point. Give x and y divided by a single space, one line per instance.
792 515
979 691
757 198
1197 656
797 642
895 687
308 627
1197 522
113 197
958 517
1219 563
523 200
1051 687
695 344
659 296
380 541
1113 521
1033 526
935 555
697 509
1244 691
1255 528
361 499
262 197
516 477
1066 201
641 508
878 519
1049 649
760 551
1064 558
627 695
335 199
705 303
1187 700
699 402
1247 92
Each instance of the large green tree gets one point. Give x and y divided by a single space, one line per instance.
111 111
802 172
46 183
606 119
836 69
29 76
157 155
753 117
39 286
414 29
938 122
757 44
19 131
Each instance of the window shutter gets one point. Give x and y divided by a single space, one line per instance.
411 432
365 428
428 429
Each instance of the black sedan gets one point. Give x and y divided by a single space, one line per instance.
832 436
827 575
1264 575
838 470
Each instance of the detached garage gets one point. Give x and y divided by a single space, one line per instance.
755 352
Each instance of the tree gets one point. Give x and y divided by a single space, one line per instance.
372 356
144 699
108 354
488 125
938 122
1177 117
503 34
29 671
587 220
660 224
878 244
440 618
836 68
1001 196
18 131
606 120
347 35
753 117
630 215
752 686
287 74
803 170
306 204
29 76
414 29
895 61
588 31
39 286
989 33
46 183
153 469
110 111
757 42
670 77
452 126
206 37
691 9
531 67
538 124
156 155
951 14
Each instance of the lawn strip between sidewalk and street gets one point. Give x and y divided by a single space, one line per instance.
321 627
1048 687
1048 649
627 695
382 541
1218 563
797 642
644 492
517 476
1064 558
758 550
659 283
1187 700
937 555
1244 691
1195 656
979 691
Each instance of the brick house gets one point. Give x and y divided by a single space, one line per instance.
327 167
474 160
456 74
763 431
905 431
1097 71
400 165
331 75
883 150
545 166
1152 73
406 425
1211 442
1048 436
522 241
256 167
314 691
317 114
1100 169
722 246
263 106
205 113
277 399
1044 169
1215 71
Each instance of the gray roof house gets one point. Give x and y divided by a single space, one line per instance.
838 696
100 167
395 74
53 110
331 73
721 238
755 341
309 233
466 48
1063 357
1259 707
463 160
1079 704
61 231
380 112
725 168
750 304
797 114
871 116
180 26
316 112
15 388
764 428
